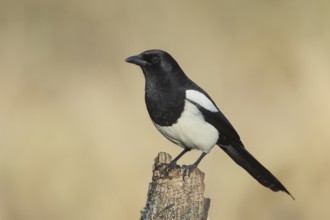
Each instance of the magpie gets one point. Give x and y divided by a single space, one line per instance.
186 115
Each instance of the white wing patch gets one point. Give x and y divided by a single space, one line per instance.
201 99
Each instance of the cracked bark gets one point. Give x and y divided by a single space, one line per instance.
177 195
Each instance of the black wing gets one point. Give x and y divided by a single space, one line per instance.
221 123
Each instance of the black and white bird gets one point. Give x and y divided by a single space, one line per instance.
186 115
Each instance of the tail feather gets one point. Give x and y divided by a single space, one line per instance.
243 158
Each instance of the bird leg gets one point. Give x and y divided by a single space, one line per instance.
199 160
173 164
188 168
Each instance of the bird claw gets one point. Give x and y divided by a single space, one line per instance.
188 169
169 167
172 165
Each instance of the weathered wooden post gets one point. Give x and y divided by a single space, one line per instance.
175 195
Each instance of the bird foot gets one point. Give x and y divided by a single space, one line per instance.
171 166
188 169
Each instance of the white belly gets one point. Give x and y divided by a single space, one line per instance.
191 130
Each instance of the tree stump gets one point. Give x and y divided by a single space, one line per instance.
175 194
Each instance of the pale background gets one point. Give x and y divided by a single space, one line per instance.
76 142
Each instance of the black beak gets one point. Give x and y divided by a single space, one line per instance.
137 60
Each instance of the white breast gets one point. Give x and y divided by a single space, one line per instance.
191 130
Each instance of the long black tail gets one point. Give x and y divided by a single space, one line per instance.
243 158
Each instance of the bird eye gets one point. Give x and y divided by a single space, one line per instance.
155 59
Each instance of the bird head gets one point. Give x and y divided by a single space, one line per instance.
155 62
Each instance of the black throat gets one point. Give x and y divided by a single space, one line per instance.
165 96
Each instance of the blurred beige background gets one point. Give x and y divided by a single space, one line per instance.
76 142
